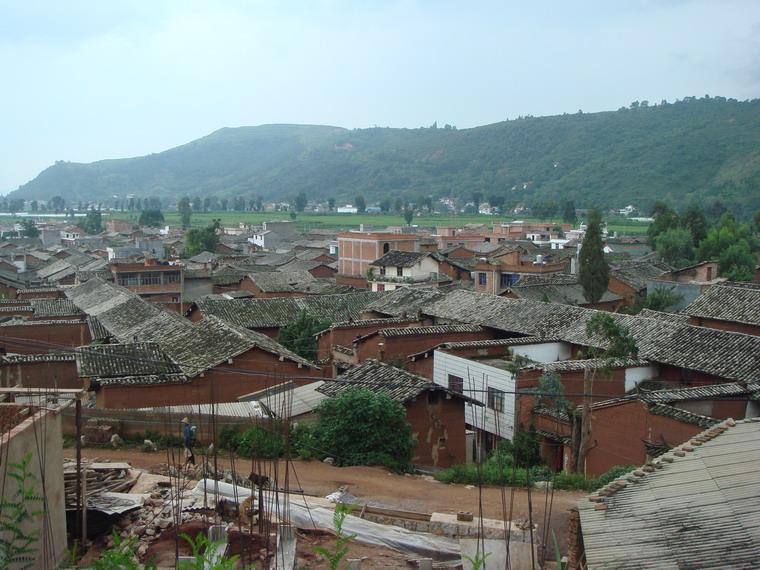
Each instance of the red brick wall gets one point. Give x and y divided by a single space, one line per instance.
604 387
323 271
438 425
398 348
215 386
43 338
627 292
689 377
41 375
725 325
618 431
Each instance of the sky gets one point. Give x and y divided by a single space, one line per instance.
89 80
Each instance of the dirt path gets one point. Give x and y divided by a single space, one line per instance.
384 488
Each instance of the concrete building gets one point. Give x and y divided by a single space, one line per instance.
156 282
406 269
357 250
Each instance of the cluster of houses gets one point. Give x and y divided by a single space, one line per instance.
459 325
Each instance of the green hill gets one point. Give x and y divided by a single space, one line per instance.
699 149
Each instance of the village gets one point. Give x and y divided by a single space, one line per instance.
151 393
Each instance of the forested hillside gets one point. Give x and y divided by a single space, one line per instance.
699 149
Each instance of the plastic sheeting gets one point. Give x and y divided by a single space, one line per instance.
300 514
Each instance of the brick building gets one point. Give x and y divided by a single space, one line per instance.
356 250
156 282
728 306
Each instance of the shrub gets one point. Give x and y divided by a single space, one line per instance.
260 442
360 427
304 442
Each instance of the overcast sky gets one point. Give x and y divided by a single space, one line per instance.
83 81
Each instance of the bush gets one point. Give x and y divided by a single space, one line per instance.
304 442
360 427
262 443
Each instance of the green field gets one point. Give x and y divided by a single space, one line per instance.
352 221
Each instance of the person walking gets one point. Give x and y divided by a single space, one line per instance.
188 439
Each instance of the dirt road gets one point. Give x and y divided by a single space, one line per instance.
407 492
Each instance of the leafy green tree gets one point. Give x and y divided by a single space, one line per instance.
694 220
301 202
185 210
293 215
756 221
361 427
202 239
568 212
660 299
34 205
331 204
361 204
593 270
664 219
259 204
408 216
28 229
152 218
398 205
385 205
197 204
299 337
737 263
224 203
675 247
57 203
477 198
93 222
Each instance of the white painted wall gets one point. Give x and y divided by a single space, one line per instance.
543 352
638 374
478 377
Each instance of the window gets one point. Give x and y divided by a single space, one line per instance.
386 247
171 277
150 279
456 384
382 271
482 279
507 279
400 271
496 399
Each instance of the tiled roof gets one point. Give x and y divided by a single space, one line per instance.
120 360
566 293
400 259
578 365
400 385
97 331
291 401
275 313
669 317
204 257
21 358
438 329
53 308
405 301
38 290
729 355
282 281
682 415
728 301
40 323
144 380
371 322
212 341
694 507
725 390
517 341
637 273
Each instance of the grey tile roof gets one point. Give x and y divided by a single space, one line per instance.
729 355
204 257
569 293
400 259
670 317
736 302
211 342
399 384
97 331
695 507
22 358
282 281
431 330
405 301
54 308
121 360
682 415
579 365
145 380
275 313
637 273
727 390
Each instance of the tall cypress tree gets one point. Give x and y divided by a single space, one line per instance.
593 271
